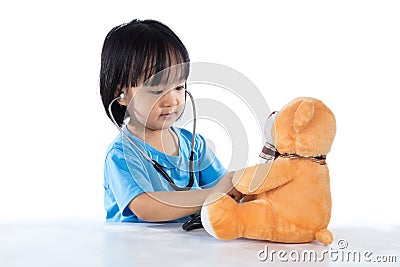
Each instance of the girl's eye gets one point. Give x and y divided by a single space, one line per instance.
159 92
156 92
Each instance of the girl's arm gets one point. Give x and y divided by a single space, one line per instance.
167 205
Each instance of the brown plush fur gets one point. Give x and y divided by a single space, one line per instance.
290 197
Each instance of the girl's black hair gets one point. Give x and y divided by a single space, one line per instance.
137 50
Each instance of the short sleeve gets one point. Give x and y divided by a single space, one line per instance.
210 168
125 181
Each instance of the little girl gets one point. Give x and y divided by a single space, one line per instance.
134 190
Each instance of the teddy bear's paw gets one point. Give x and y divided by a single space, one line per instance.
219 216
251 180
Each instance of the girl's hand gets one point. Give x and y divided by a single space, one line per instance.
235 194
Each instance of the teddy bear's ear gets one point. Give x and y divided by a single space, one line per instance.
303 115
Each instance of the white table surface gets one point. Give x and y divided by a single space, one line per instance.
126 244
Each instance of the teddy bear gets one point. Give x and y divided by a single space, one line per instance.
288 196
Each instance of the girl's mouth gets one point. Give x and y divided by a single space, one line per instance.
168 115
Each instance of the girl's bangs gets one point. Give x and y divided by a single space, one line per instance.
161 66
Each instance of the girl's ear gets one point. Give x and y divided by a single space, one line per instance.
121 93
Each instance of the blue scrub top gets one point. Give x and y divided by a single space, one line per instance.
128 174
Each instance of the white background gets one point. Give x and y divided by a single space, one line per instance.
55 132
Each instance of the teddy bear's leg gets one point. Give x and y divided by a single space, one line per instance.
219 216
256 220
225 219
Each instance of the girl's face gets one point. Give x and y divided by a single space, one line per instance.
155 107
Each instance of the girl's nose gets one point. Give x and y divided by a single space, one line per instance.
170 98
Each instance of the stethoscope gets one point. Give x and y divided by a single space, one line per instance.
157 165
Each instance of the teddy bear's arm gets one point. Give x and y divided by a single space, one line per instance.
259 178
